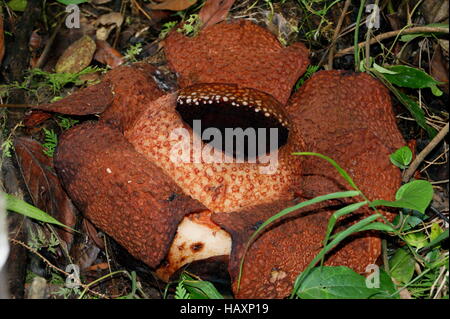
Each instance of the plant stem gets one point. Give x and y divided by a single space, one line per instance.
358 20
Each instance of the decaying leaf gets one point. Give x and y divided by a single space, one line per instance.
174 5
214 11
106 54
435 10
35 118
106 23
43 185
439 68
77 56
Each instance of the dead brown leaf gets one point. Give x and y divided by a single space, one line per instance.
43 184
106 54
106 23
435 10
35 118
215 11
439 68
77 56
174 5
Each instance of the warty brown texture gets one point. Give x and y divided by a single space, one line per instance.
122 193
238 52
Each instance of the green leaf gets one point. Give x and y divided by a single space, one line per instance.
413 78
17 5
382 70
416 112
19 206
409 221
436 230
401 157
199 289
340 283
402 265
418 240
378 226
341 171
339 213
438 239
415 195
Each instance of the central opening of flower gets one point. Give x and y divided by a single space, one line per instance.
241 122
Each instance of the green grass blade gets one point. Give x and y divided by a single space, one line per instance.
341 171
339 213
19 206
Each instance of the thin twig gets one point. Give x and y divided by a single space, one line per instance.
135 3
391 34
45 260
49 44
336 34
415 164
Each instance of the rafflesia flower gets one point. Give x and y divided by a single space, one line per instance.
144 175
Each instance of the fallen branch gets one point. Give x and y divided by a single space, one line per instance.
392 34
415 164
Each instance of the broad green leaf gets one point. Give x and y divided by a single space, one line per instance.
401 265
18 5
418 240
401 157
340 283
414 195
412 78
19 206
382 70
199 289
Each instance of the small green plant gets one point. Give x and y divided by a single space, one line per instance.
133 52
166 28
7 146
65 122
189 287
401 157
56 81
38 240
191 25
310 70
51 140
